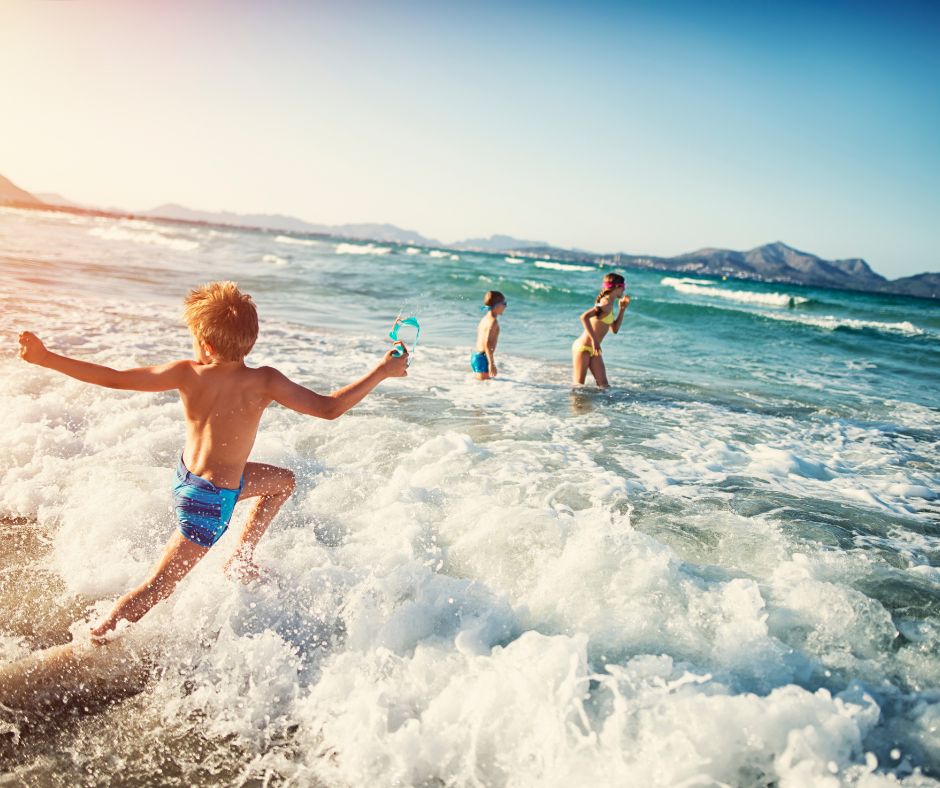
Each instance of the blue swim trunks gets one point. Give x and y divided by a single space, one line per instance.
478 362
203 509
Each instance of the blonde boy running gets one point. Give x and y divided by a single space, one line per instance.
223 400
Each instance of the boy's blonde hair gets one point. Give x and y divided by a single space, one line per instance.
220 315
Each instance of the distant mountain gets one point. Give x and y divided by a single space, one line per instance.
273 221
922 285
774 262
556 253
51 198
777 262
382 232
11 193
497 243
269 221
781 263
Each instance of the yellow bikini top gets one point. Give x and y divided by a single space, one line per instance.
608 318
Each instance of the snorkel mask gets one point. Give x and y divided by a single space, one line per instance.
400 322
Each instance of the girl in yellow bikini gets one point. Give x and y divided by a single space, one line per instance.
597 321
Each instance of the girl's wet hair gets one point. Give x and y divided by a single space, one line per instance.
493 297
611 281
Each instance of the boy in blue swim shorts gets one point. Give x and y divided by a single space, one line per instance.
223 400
482 360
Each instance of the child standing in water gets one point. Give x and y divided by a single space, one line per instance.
597 321
223 400
482 361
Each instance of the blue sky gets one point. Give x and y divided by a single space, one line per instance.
643 127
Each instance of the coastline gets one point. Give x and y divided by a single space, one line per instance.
688 264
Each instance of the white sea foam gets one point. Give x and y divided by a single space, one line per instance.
672 281
273 259
484 607
832 323
485 583
291 241
413 250
514 260
532 284
345 248
914 415
860 364
137 232
714 290
843 462
562 266
438 253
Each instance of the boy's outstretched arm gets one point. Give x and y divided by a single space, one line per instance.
292 395
162 378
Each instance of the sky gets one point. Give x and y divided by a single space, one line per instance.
645 127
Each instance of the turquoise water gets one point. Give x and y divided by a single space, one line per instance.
735 549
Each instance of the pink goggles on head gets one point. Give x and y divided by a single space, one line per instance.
613 285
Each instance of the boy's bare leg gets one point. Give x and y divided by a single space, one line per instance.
272 486
178 558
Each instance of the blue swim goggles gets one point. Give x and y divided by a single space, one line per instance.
393 334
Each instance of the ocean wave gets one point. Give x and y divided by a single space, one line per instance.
542 287
413 250
684 280
460 559
273 259
438 253
361 249
143 236
287 239
514 260
562 266
531 284
708 289
831 323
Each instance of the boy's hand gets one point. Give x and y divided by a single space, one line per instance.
395 366
624 301
31 348
492 370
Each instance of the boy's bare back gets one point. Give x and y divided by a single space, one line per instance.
223 404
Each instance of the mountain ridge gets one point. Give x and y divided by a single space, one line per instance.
11 193
771 262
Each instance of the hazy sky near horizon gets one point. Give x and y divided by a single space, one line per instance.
647 127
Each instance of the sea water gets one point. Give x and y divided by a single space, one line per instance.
725 570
